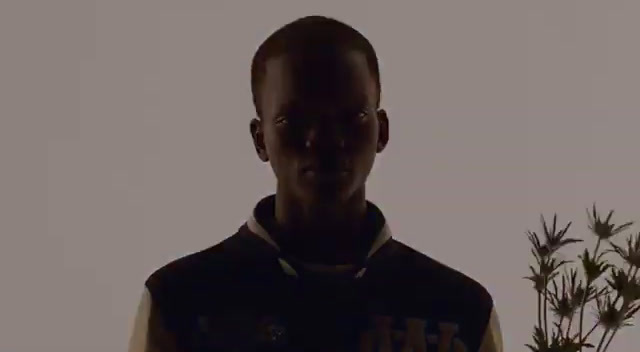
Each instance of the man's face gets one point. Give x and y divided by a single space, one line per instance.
320 126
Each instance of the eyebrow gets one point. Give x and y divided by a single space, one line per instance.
286 108
295 107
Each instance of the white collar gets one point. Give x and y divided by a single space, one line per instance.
254 227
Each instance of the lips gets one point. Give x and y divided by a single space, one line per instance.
326 172
326 168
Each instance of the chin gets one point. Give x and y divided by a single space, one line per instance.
328 195
329 190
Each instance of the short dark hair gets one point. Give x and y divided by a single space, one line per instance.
310 31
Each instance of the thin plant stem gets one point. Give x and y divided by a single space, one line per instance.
593 328
544 310
582 306
560 325
602 339
610 339
595 253
584 339
569 325
584 298
540 309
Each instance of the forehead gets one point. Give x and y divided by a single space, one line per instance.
310 78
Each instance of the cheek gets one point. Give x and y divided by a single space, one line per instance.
280 156
368 139
368 148
273 144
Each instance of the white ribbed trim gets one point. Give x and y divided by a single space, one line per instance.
383 236
257 229
287 268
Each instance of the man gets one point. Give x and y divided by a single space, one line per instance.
315 267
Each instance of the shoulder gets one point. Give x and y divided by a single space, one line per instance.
177 276
432 278
183 279
424 286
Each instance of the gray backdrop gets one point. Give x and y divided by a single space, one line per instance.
116 117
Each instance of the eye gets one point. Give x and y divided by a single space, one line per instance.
282 120
363 114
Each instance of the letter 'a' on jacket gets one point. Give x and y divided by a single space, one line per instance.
247 294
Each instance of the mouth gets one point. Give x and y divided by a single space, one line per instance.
325 173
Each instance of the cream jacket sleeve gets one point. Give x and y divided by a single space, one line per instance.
492 338
149 333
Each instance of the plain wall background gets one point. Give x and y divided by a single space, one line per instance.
124 142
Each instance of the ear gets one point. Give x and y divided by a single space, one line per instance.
383 130
257 136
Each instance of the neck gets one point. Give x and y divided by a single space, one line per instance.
327 233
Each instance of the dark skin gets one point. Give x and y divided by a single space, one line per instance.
320 129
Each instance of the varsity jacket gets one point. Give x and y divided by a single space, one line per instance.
247 294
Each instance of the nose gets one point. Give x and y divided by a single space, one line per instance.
325 136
